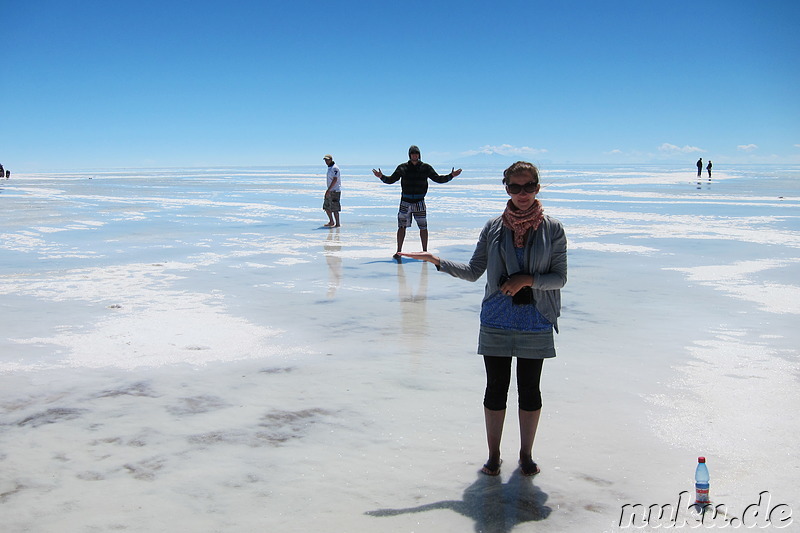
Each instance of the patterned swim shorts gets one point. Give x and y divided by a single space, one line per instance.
407 209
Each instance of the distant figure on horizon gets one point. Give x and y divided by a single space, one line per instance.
699 167
2 171
708 168
333 194
414 177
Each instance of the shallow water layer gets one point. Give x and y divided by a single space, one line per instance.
189 349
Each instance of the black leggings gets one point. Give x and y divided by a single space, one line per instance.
498 379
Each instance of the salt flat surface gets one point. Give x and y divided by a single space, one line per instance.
189 350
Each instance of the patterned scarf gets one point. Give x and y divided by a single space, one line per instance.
521 221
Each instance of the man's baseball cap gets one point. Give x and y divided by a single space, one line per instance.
328 156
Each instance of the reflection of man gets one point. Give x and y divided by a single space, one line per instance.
332 249
699 167
413 177
414 316
333 194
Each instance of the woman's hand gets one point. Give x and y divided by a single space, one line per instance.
515 283
423 256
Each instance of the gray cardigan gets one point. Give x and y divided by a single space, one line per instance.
545 258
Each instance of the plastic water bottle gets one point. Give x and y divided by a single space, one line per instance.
701 482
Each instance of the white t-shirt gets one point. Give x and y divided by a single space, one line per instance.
333 172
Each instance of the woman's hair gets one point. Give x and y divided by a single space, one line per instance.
521 167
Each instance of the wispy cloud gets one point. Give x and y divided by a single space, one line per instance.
747 147
797 145
674 149
506 149
615 151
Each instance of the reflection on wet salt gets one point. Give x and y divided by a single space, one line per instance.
199 357
737 280
413 309
333 258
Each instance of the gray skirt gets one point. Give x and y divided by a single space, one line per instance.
523 344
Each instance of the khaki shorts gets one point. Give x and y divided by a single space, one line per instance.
332 202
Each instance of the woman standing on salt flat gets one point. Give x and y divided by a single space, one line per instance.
524 253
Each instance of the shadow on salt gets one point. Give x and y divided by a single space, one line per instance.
493 505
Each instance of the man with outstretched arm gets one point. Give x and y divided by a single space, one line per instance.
413 176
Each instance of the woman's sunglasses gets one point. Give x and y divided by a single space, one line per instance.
515 188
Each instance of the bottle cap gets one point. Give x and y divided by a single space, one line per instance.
701 459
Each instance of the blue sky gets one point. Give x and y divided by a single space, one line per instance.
199 83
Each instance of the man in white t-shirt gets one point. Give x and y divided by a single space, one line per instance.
333 193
